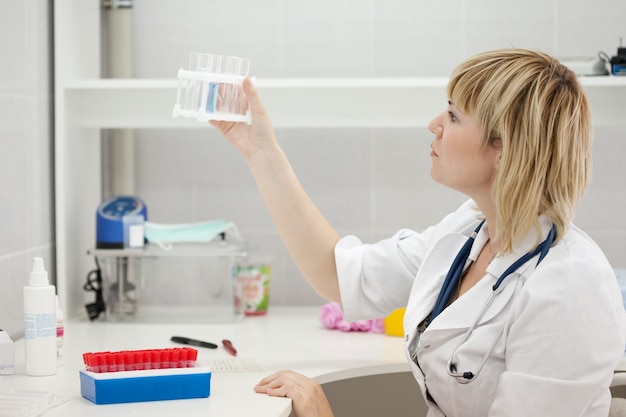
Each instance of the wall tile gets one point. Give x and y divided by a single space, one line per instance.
14 146
39 188
496 24
13 44
582 30
26 197
334 167
240 28
11 309
327 39
602 210
417 39
405 194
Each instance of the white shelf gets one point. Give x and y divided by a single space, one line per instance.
178 250
304 102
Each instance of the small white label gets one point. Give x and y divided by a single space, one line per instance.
135 236
133 231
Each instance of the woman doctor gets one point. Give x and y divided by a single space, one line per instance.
511 309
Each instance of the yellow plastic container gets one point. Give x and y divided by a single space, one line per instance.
394 322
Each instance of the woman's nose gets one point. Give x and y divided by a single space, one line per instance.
435 126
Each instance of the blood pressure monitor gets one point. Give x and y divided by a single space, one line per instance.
114 218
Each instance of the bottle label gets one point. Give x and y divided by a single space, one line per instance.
39 325
252 285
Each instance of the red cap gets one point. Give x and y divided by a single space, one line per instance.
165 358
155 359
140 359
193 354
175 357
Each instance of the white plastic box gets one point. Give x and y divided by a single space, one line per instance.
7 354
191 283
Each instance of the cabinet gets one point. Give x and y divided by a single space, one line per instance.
85 104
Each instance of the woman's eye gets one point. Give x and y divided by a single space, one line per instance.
452 116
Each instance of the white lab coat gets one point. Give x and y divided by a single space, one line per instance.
563 322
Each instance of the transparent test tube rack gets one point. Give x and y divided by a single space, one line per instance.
211 89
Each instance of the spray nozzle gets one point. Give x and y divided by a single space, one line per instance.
38 265
39 275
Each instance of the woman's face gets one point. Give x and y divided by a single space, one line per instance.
460 160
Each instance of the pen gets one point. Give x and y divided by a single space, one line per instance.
229 347
193 342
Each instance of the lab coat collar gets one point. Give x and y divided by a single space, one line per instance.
462 312
425 288
438 262
501 262
470 304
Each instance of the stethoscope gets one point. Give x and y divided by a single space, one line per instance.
453 277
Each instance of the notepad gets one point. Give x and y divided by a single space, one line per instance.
233 365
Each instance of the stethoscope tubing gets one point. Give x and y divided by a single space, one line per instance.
468 376
541 250
454 274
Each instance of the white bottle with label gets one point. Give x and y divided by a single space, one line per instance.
40 323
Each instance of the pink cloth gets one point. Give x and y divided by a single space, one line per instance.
331 316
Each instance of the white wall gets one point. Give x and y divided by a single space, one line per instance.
368 182
26 219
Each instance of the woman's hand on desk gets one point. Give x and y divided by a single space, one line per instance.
308 398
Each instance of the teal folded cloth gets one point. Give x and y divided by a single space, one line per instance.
200 232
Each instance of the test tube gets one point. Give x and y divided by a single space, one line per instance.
241 100
244 67
230 66
193 86
214 62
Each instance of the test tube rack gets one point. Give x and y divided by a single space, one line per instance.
211 89
144 375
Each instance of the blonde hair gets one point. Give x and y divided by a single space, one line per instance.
539 111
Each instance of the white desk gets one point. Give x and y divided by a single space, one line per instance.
287 338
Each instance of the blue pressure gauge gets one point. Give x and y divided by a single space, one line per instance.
110 220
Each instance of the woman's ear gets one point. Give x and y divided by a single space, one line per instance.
497 147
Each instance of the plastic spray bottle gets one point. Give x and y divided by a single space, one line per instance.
40 323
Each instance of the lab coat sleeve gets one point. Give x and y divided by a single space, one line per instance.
566 311
376 278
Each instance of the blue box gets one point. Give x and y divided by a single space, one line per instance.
145 385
